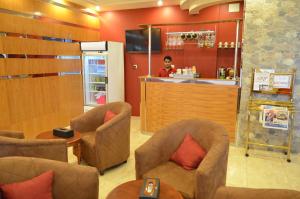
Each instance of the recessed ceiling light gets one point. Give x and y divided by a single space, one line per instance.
89 10
160 2
98 8
59 1
37 13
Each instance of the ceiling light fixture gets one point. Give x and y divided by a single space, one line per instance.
160 2
63 2
98 8
89 10
37 13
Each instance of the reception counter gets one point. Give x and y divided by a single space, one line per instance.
167 100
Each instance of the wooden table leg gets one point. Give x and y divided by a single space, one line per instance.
77 152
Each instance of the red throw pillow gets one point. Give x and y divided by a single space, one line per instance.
39 187
109 115
1 193
189 154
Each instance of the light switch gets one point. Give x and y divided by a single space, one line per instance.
134 66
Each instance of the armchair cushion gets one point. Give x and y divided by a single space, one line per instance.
189 154
39 187
109 115
210 174
174 175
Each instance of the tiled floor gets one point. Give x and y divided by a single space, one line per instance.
261 170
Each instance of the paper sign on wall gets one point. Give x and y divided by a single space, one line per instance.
262 79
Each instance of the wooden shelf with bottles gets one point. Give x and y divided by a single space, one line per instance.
179 49
228 48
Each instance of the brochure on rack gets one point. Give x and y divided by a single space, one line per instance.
262 79
275 117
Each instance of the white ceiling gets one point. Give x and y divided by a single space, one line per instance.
194 6
108 5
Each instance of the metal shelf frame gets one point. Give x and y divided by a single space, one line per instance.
254 105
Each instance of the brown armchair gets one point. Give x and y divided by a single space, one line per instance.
70 181
152 158
250 193
104 144
14 144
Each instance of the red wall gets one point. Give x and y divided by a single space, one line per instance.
207 60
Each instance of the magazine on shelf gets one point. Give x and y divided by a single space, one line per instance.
281 80
275 117
262 79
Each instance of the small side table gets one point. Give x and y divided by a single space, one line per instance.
72 141
131 190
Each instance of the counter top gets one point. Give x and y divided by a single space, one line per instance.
190 80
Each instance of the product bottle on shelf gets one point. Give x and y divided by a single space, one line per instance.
194 70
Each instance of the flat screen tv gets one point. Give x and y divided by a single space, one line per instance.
137 40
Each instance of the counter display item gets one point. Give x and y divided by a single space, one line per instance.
187 72
225 73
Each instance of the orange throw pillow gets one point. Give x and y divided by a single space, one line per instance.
189 154
109 115
39 187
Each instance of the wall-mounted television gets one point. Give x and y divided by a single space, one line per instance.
137 40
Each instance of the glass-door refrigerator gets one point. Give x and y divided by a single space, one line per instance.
103 72
95 78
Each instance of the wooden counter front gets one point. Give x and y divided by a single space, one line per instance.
163 103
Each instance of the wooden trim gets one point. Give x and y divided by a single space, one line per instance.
35 105
191 23
73 6
51 11
29 26
13 45
15 66
143 108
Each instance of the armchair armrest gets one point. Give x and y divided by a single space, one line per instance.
211 173
12 134
157 149
88 121
147 157
250 193
113 138
48 149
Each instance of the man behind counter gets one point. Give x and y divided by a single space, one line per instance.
167 70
